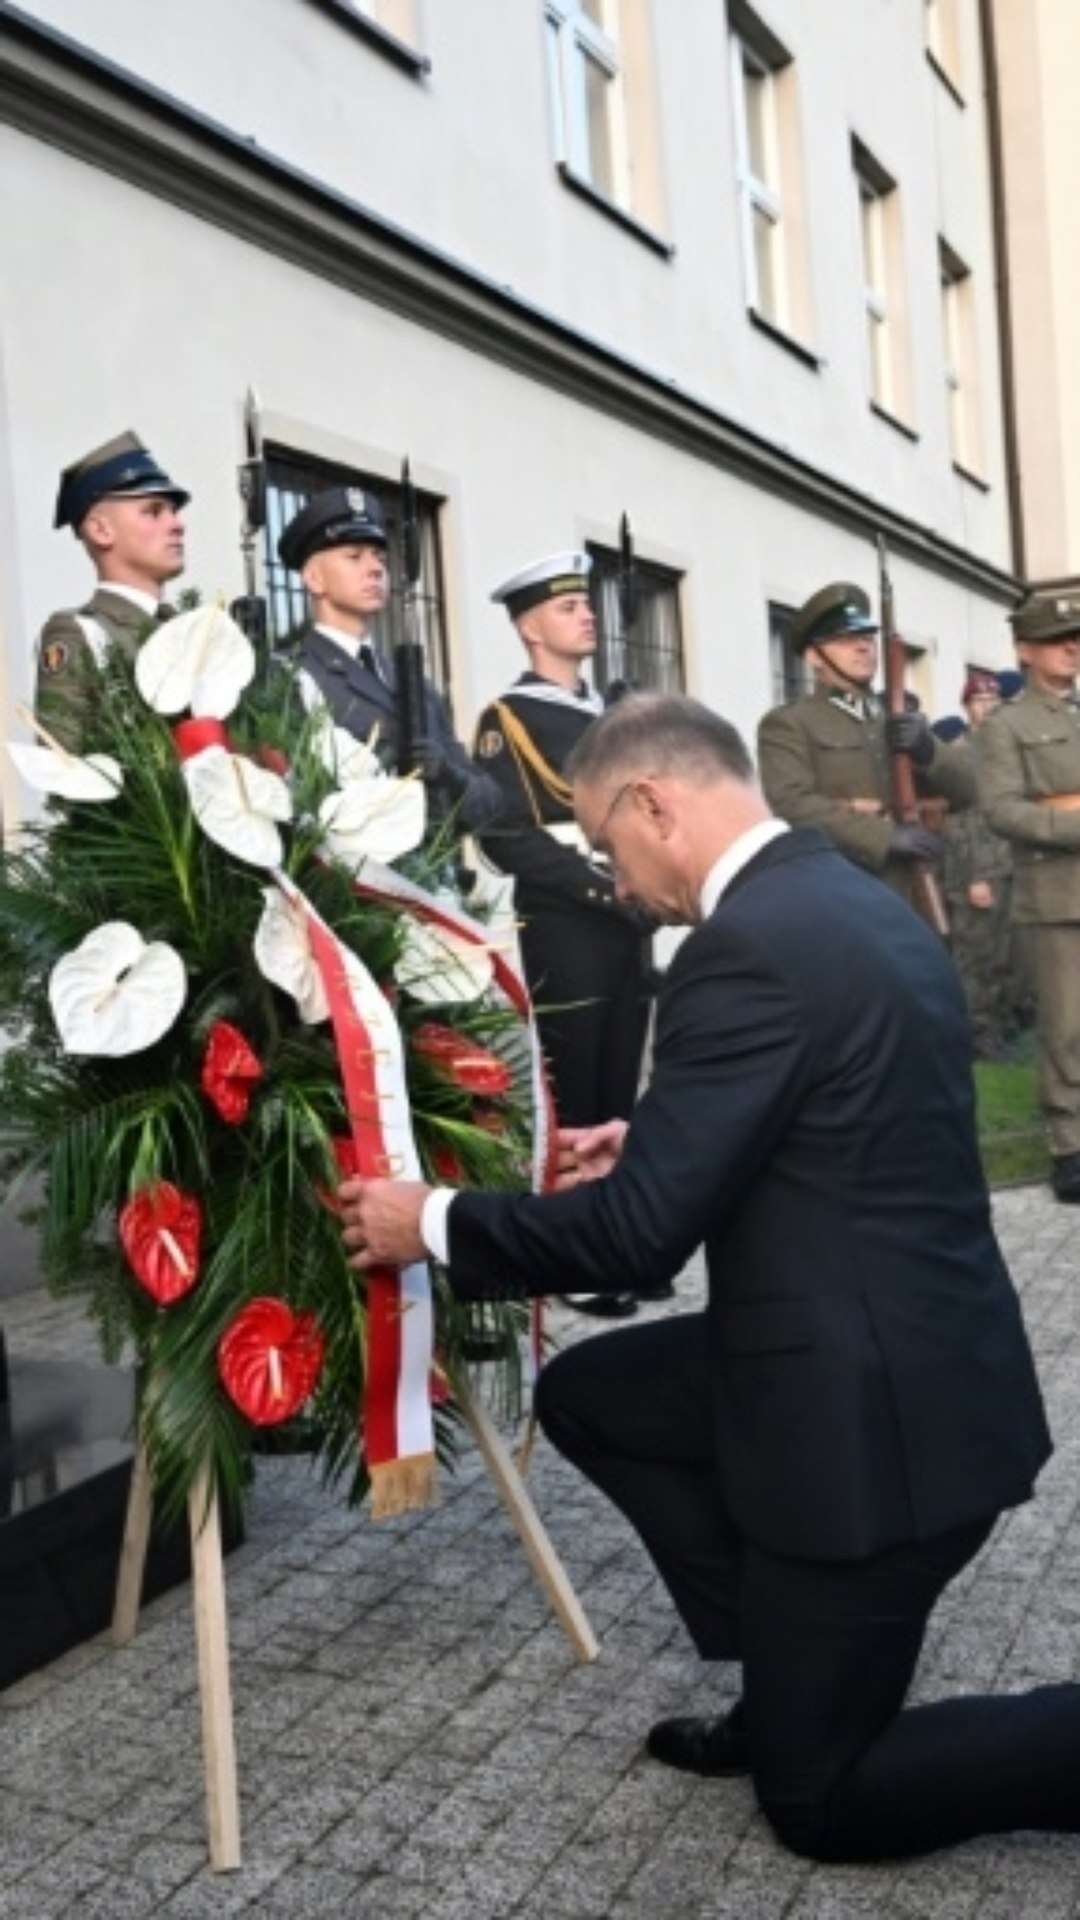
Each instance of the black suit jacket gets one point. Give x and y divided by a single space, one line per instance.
811 1118
358 698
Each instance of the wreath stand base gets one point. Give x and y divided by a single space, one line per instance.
211 1616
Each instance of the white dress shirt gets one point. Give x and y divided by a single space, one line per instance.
434 1225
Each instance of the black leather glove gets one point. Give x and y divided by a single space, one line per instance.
910 733
915 843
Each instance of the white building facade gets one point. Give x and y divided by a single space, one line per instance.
728 269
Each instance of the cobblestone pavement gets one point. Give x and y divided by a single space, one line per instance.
415 1738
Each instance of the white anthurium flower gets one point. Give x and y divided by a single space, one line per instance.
95 776
199 661
376 819
438 966
283 953
344 756
238 804
115 995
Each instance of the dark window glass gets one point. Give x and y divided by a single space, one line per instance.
292 479
789 675
651 654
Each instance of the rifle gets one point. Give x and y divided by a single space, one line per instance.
628 595
249 610
903 800
413 743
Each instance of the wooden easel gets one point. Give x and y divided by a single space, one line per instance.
211 1618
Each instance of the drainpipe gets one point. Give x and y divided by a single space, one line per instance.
995 147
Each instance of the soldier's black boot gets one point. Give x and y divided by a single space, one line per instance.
1065 1177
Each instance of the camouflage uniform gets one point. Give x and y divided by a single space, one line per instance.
70 653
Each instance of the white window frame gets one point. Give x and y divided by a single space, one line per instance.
755 194
876 288
960 360
572 39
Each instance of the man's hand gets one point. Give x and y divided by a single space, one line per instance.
910 733
381 1222
915 843
588 1153
980 894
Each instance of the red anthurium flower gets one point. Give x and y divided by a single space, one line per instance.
344 1151
191 736
272 759
446 1166
230 1070
159 1232
472 1067
269 1360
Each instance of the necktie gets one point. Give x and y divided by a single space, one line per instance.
164 612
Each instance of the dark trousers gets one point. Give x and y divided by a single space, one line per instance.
827 1648
588 980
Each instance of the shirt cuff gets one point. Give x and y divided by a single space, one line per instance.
434 1224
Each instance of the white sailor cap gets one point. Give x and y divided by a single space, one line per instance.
545 579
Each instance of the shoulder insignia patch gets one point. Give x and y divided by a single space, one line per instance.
55 656
490 743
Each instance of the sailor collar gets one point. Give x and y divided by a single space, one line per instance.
533 686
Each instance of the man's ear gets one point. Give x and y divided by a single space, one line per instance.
652 802
311 574
97 532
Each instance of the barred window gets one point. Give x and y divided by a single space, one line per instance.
790 675
651 654
291 481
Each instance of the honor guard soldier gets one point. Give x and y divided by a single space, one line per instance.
977 883
824 759
337 544
126 511
1028 756
584 953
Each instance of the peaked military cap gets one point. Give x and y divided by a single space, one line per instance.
1041 619
340 517
832 613
545 579
122 469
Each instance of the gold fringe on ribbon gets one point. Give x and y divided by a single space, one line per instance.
403 1486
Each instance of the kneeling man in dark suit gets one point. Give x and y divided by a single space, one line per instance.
815 1457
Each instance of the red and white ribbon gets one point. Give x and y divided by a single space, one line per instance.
399 1437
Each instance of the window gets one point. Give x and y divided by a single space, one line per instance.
587 97
943 39
601 74
884 293
769 175
961 360
790 675
291 480
650 655
389 26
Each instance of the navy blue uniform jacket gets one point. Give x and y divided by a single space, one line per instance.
810 1118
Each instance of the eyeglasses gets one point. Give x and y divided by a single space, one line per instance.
599 861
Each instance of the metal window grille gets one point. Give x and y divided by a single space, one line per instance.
292 479
789 673
651 654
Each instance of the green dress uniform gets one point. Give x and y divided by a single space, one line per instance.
1029 788
70 654
73 644
982 940
824 763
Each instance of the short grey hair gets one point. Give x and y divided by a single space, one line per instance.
661 733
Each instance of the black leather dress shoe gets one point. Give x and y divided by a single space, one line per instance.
665 1291
1065 1176
710 1747
603 1306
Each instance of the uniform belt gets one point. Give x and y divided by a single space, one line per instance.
1068 802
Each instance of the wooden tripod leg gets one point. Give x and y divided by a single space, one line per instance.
215 1692
543 1558
129 1575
